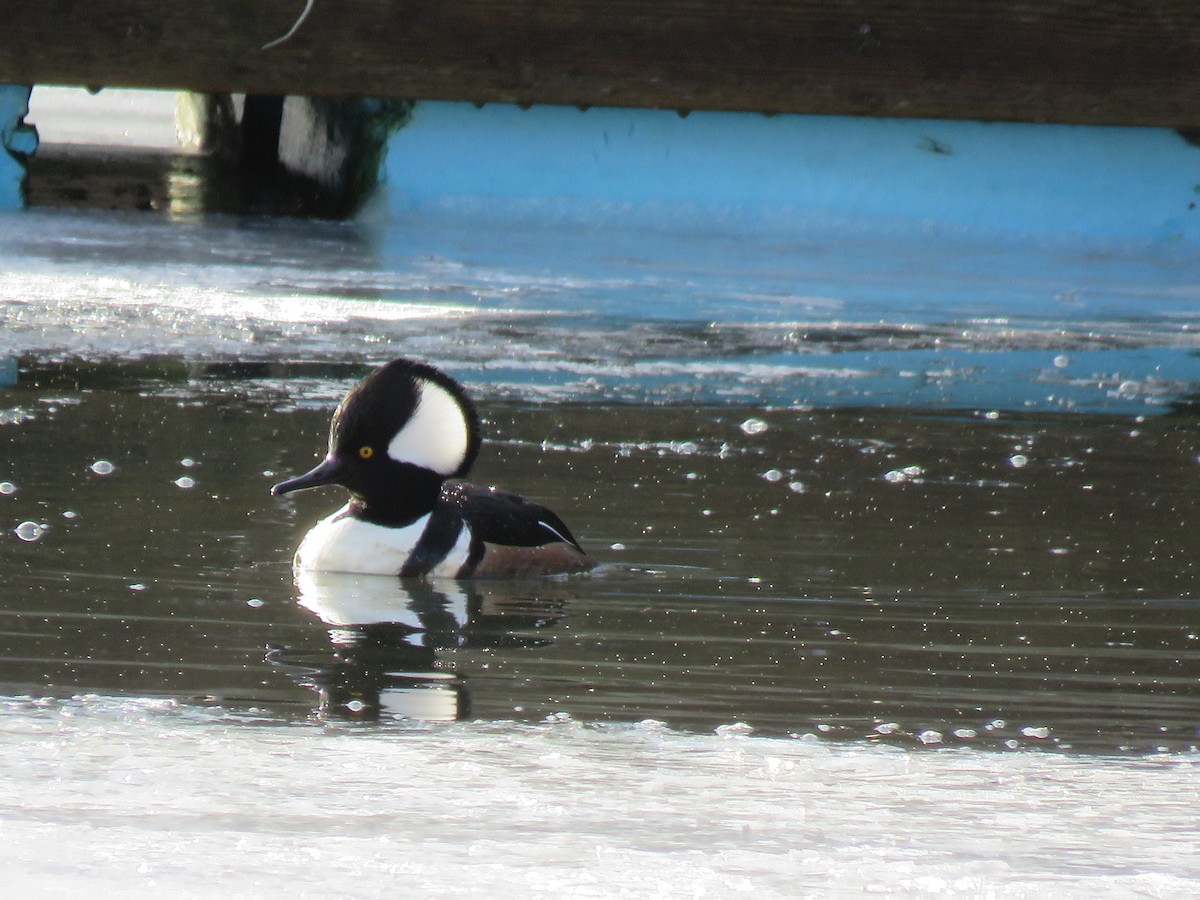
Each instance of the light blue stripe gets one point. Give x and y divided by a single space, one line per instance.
1030 179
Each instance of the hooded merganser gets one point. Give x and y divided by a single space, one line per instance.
399 442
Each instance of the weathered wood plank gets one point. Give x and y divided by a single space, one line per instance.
1100 61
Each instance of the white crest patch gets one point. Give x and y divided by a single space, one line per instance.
437 435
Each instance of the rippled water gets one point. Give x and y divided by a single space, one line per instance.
853 557
892 577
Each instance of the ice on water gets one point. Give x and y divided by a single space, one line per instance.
133 792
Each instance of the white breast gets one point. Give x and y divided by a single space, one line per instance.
342 543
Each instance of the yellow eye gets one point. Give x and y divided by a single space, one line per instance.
366 451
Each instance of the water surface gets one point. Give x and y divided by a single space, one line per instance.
896 590
986 579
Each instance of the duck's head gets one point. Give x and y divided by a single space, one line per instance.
397 435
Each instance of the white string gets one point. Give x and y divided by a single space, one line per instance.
308 5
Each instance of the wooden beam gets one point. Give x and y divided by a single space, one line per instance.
1133 62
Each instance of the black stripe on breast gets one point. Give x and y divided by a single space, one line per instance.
474 555
436 541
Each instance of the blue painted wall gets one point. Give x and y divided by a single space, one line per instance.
15 137
1028 179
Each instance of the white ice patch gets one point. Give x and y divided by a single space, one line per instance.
437 435
754 817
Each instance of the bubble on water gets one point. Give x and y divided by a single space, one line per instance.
887 728
356 706
1018 460
772 475
187 462
734 730
617 546
908 473
992 415
70 514
29 531
1041 732
797 487
995 724
103 467
7 487
254 603
1061 362
184 482
1127 389
137 586
929 736
687 448
965 733
754 426
1012 744
691 476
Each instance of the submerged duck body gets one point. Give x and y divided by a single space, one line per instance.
400 442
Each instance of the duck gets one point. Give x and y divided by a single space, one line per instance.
401 442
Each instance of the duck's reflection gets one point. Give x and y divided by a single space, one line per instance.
393 640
